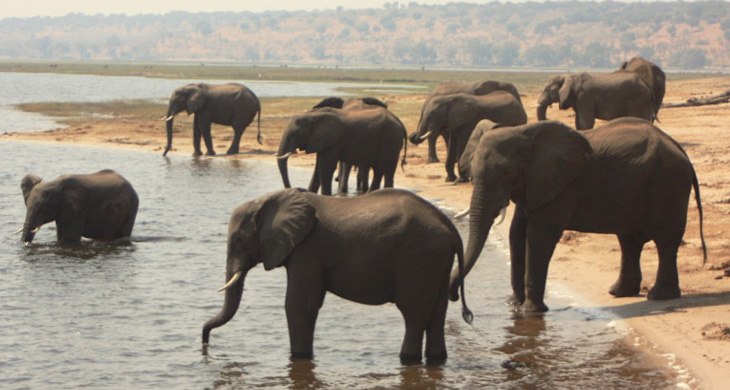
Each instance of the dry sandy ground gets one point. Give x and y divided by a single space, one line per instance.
695 328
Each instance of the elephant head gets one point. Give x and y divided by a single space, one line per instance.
191 98
558 89
265 230
44 203
529 164
434 119
465 160
313 131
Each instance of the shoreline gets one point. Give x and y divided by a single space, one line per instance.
587 264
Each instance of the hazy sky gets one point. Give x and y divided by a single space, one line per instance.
25 8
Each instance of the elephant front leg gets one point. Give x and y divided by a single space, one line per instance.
517 242
314 182
69 232
451 157
629 278
196 139
461 142
541 242
205 130
304 297
432 156
327 165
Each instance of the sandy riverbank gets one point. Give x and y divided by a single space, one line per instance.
695 328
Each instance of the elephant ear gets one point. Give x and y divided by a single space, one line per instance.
326 130
558 156
27 183
284 220
565 92
196 99
334 102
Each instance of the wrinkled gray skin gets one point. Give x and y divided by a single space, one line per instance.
465 161
626 178
604 96
483 87
101 205
362 249
227 104
652 75
370 137
458 114
343 173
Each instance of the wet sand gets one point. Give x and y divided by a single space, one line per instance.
695 329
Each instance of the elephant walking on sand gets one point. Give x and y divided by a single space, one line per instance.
385 246
101 205
604 96
483 87
370 137
458 114
653 75
626 178
227 104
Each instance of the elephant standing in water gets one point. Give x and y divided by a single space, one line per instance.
343 175
626 177
652 75
458 114
228 104
483 87
101 205
385 246
604 96
370 137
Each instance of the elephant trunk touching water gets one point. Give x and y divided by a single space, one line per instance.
231 303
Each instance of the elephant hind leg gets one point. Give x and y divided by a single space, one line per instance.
236 142
667 278
629 278
435 340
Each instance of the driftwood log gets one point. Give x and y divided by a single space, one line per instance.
715 99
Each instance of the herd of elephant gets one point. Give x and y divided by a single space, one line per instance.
626 177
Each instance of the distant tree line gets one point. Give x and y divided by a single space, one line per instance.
684 35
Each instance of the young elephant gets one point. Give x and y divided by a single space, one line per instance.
101 205
626 178
386 246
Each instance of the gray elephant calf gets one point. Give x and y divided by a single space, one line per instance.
385 246
101 205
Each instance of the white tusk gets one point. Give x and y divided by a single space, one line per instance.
34 231
167 118
462 213
534 106
19 231
284 157
423 137
231 282
502 214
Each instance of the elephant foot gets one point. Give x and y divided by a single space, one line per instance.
436 359
515 300
462 180
302 355
231 152
197 153
530 306
433 160
210 153
660 294
454 290
622 289
408 359
450 178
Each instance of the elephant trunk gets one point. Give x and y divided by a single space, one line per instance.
230 306
542 104
168 123
481 219
282 160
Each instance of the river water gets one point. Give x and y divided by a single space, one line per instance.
121 316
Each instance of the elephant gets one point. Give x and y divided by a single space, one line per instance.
465 161
458 114
385 246
482 87
227 104
343 175
101 205
626 177
370 137
652 75
598 96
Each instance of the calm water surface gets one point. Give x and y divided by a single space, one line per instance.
129 315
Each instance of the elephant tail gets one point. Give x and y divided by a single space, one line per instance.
465 312
696 187
405 152
258 135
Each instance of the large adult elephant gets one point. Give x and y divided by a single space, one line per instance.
227 104
626 177
482 87
343 173
101 205
653 75
458 114
385 246
604 96
371 137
